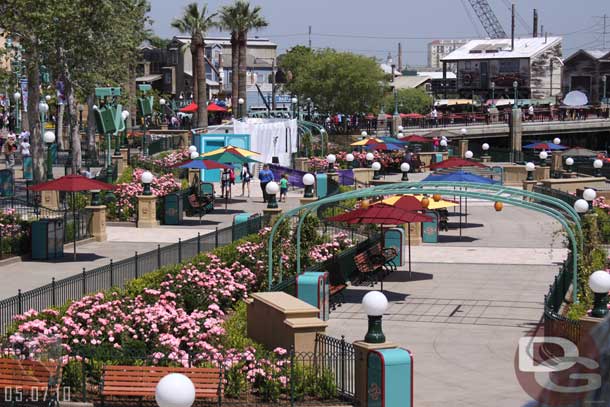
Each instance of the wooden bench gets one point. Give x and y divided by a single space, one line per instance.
373 262
141 381
29 380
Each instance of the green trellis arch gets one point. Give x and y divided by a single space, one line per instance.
550 206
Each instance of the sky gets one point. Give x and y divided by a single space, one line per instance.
376 27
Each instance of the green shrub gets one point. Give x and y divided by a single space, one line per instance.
126 176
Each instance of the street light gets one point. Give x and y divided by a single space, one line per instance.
556 140
493 94
468 155
530 168
515 87
543 156
597 165
192 149
350 160
49 138
369 157
194 155
404 168
464 132
308 181
581 206
589 195
175 390
272 189
147 179
569 163
599 282
376 166
294 101
375 304
241 101
364 133
162 102
47 98
331 158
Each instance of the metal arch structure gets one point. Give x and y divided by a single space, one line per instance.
550 206
309 127
488 19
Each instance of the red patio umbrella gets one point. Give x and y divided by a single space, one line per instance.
455 162
414 138
72 183
190 108
412 116
213 107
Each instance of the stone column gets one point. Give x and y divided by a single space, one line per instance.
270 215
300 163
98 222
361 369
396 121
382 124
147 211
50 199
414 230
462 147
185 139
363 176
516 135
556 165
120 164
125 155
542 172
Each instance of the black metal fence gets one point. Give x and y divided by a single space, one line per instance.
555 324
164 143
555 193
116 274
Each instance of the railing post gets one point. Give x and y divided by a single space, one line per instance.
198 242
179 250
53 291
111 274
84 282
216 238
84 382
291 376
19 302
135 257
158 256
343 362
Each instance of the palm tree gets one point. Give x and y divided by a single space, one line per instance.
229 21
196 23
248 18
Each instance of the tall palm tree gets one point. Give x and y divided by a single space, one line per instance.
229 21
196 23
248 18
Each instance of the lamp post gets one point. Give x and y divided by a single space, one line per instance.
49 138
364 134
581 206
147 179
543 156
569 163
597 165
241 101
493 94
557 140
175 390
370 157
516 88
294 101
376 166
468 155
589 195
599 282
308 181
404 168
43 108
530 168
331 159
350 160
17 97
117 145
272 189
485 147
375 304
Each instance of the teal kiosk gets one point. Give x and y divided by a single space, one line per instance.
390 378
206 142
430 229
395 238
313 288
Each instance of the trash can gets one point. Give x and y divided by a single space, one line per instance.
172 209
47 239
314 289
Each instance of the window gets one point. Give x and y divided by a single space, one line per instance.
510 66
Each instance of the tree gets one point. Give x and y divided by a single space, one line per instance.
196 23
335 81
229 21
409 101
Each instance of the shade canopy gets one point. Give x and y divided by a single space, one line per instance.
575 98
190 108
213 107
579 152
456 162
412 116
414 138
231 149
380 214
367 141
432 204
384 147
404 202
202 164
546 145
459 176
72 183
231 158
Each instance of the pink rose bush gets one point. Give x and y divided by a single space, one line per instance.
166 161
600 202
10 224
322 252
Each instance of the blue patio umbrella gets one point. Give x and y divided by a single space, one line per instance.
545 145
459 176
200 163
384 147
393 140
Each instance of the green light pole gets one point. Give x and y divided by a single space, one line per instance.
17 97
604 79
49 139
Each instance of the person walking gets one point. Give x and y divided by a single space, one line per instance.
265 176
283 187
246 177
9 151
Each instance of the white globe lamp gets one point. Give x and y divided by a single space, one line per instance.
485 147
375 305
556 140
581 206
308 181
43 107
376 166
370 156
272 189
48 137
194 155
364 133
468 154
599 282
16 95
589 194
192 149
569 163
47 98
175 390
530 168
125 115
598 164
331 159
405 168
147 179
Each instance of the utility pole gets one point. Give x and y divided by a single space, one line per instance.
310 37
400 57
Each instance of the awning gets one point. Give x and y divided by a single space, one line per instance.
149 78
454 102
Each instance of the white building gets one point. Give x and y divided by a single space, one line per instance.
438 49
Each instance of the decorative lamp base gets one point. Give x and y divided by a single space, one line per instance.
272 204
405 176
600 305
374 334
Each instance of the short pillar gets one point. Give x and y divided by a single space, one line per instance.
305 201
97 227
363 176
542 172
382 124
300 164
147 211
270 215
414 233
462 147
120 164
125 154
50 199
396 121
493 114
485 158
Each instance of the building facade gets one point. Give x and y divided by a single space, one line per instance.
589 72
533 64
438 49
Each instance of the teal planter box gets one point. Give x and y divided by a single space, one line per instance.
395 238
430 229
313 288
47 239
390 378
241 218
321 185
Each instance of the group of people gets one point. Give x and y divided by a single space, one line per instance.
265 176
11 144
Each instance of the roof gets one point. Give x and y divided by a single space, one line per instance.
595 54
437 75
500 49
409 82
388 69
226 41
149 78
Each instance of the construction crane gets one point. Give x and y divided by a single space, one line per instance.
488 19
